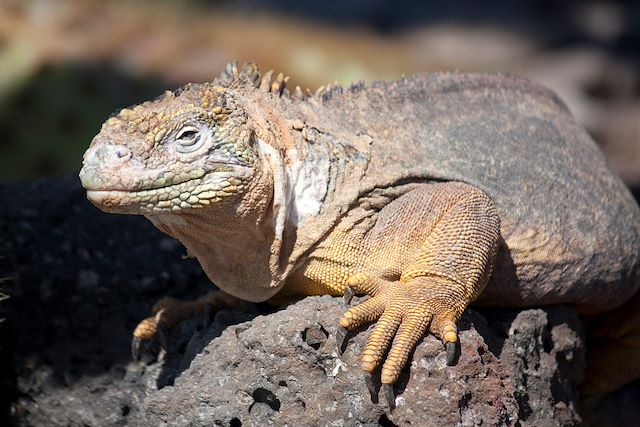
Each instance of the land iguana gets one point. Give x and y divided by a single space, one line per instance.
426 193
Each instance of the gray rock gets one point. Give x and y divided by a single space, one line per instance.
283 369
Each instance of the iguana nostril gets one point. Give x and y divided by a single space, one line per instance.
122 152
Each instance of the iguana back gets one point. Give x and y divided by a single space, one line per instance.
571 227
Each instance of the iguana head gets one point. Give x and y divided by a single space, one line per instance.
204 164
186 150
218 166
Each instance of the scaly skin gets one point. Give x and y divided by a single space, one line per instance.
411 192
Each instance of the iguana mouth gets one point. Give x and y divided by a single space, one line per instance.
144 191
194 193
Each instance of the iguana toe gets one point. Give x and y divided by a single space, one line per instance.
142 335
155 327
368 311
364 313
413 327
445 328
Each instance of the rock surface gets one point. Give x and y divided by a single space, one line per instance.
283 369
80 280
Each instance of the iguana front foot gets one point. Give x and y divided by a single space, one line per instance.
405 310
168 312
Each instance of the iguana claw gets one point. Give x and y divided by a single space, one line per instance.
349 292
389 395
451 353
143 349
135 348
341 334
161 333
368 380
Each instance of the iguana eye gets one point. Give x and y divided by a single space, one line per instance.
188 139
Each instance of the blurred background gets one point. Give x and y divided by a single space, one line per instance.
66 65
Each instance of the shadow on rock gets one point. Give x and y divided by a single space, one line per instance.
79 281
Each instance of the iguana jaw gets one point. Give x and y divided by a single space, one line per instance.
201 191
